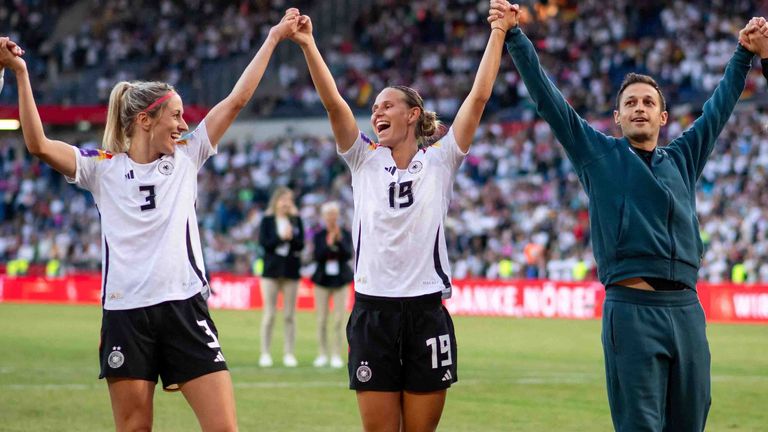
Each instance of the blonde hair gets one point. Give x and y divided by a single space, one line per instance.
126 101
427 126
330 206
276 195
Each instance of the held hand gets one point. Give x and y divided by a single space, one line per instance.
503 15
753 36
287 26
287 234
15 49
760 42
303 36
10 55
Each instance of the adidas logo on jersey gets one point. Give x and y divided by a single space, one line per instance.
219 358
390 170
447 376
129 175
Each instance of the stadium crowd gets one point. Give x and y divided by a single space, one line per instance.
588 46
518 210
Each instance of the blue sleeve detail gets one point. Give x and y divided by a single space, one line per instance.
89 152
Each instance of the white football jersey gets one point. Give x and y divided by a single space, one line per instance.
149 237
397 227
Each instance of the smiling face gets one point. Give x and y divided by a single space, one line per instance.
392 119
640 113
168 126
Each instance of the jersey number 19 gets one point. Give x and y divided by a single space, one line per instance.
400 194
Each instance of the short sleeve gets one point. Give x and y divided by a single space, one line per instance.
449 148
362 149
86 173
197 145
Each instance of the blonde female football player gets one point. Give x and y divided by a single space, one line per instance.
155 318
402 353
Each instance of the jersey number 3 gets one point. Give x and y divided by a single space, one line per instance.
400 194
150 198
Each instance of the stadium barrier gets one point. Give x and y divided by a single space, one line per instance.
726 302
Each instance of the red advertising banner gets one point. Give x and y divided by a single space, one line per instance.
472 297
526 298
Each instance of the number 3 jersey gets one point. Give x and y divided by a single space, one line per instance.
150 240
398 231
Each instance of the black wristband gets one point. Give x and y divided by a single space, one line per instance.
764 64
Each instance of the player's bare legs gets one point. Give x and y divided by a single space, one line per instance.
131 403
422 411
380 411
212 398
400 411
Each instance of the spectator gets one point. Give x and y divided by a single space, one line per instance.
332 252
282 236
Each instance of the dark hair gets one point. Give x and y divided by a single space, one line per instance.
634 78
427 125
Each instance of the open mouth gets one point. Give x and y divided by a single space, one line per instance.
382 126
639 120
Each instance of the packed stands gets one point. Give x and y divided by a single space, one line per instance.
518 210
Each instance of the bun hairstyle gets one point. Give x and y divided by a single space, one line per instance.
428 127
126 101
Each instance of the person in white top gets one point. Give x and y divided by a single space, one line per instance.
155 318
402 354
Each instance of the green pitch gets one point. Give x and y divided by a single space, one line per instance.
514 375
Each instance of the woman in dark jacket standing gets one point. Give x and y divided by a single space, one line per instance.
333 250
281 234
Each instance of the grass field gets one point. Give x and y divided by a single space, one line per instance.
514 375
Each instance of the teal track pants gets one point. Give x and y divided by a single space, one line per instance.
657 360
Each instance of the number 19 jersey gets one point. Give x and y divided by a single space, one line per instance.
150 241
398 231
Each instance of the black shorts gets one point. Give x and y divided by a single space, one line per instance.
176 340
398 344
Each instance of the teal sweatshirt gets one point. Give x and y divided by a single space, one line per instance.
642 219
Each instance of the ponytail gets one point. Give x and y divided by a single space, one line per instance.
426 127
114 140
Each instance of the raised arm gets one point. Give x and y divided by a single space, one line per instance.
342 119
698 141
58 154
471 110
582 143
221 116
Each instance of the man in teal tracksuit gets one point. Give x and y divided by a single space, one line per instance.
645 236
